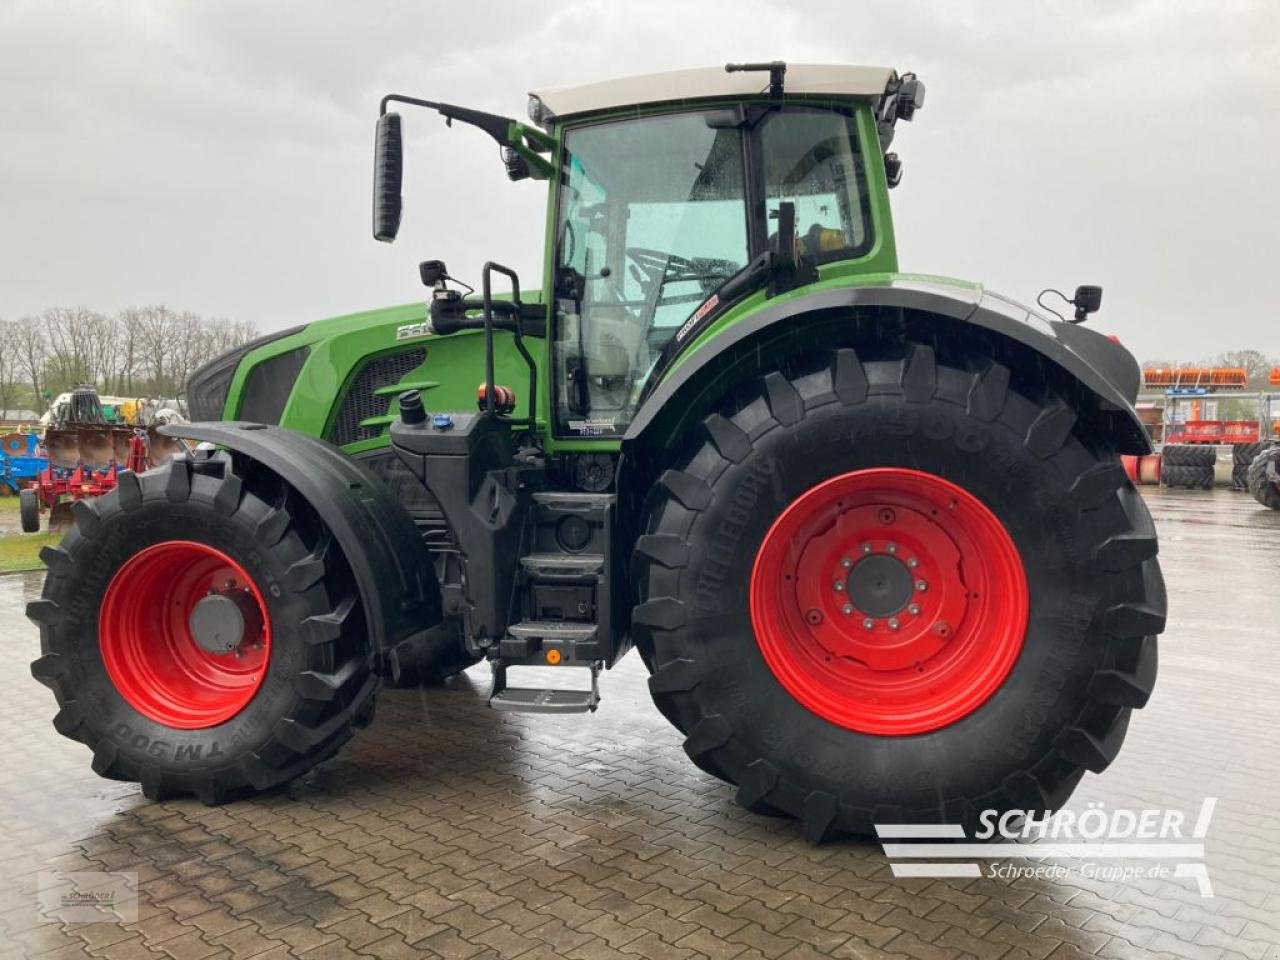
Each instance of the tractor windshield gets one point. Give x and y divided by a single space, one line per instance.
656 213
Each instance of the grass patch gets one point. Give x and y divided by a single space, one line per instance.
8 504
21 551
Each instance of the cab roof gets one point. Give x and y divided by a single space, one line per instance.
706 83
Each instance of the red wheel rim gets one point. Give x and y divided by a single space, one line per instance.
889 601
151 652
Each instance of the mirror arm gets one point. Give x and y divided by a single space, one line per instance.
499 128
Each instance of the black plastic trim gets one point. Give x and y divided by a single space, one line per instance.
207 388
391 566
268 385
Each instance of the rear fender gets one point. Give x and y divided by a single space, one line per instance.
391 566
1107 375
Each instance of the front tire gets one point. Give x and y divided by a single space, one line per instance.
29 510
201 633
869 744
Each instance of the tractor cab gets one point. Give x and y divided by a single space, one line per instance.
675 197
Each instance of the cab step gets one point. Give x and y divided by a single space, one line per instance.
542 700
532 640
533 700
563 566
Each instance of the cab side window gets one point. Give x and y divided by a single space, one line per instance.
812 159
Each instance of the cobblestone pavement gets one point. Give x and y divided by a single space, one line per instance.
450 830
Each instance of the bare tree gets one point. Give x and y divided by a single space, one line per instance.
158 333
1255 363
126 332
32 351
148 350
8 365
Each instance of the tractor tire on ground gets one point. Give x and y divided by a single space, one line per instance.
230 654
1187 478
1189 455
917 687
1243 454
29 511
1265 490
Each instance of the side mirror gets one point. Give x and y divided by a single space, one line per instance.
388 173
1088 299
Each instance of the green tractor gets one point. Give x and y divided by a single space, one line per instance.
869 531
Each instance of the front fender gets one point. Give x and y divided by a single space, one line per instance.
1104 369
392 569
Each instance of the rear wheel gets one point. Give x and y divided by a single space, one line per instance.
29 510
201 633
898 590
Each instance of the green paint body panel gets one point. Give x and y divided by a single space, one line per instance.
340 346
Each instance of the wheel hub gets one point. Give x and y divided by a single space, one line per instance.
889 601
184 634
880 586
220 621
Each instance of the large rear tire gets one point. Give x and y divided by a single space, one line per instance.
202 634
1015 675
1265 490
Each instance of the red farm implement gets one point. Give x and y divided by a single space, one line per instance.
86 461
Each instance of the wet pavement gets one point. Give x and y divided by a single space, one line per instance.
450 830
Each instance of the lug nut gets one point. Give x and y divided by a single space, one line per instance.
893 623
847 563
914 609
838 586
866 548
892 548
922 586
869 623
847 608
913 563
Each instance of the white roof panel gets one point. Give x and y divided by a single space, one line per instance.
703 83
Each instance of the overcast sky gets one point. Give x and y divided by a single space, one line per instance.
216 157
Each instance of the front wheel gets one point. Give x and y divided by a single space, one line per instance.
902 590
202 634
29 510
